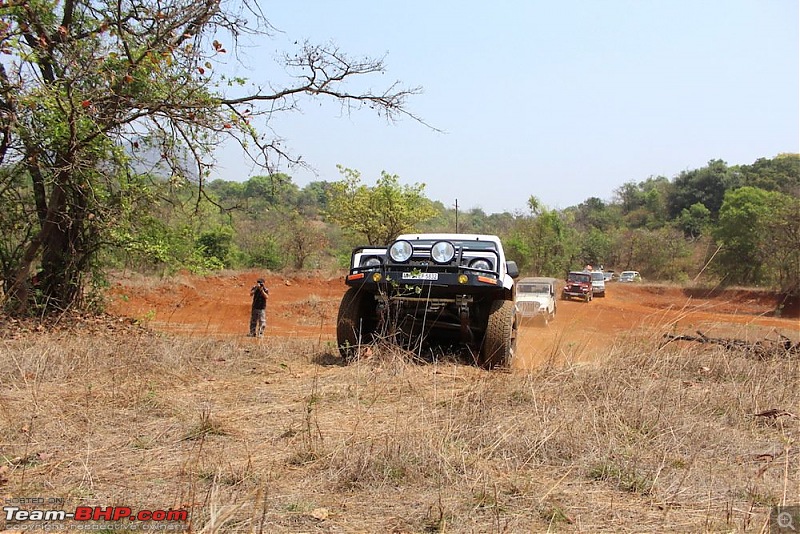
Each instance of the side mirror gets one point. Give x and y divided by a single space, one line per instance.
512 269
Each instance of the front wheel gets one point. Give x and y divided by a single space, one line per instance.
355 323
500 339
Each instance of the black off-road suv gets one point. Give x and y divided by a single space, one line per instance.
432 289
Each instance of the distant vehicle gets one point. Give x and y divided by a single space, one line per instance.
630 276
536 300
579 284
598 283
609 276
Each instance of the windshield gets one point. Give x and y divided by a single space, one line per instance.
534 288
597 276
578 277
627 275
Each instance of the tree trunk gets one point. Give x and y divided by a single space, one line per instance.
57 285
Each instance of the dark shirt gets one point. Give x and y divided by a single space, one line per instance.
259 299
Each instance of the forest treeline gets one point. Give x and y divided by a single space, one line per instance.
721 224
717 225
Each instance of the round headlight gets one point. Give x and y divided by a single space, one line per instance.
481 263
400 251
443 251
371 261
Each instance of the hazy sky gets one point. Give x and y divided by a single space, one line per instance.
564 100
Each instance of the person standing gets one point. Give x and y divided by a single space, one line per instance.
258 310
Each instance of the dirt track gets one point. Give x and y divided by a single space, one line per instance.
306 307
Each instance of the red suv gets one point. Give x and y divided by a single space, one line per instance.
578 285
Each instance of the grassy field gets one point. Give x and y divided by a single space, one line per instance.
279 436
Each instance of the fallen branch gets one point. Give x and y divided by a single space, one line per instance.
759 349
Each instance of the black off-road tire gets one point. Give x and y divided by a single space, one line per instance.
355 322
500 340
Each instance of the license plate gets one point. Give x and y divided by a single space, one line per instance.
420 276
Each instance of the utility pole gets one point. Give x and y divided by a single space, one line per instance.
456 215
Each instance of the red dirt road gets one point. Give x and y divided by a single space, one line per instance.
307 306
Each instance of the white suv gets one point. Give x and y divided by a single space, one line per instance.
536 299
598 283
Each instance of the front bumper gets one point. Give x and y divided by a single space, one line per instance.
423 284
575 292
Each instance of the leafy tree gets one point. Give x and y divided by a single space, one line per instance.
644 205
264 192
542 243
593 213
229 193
781 173
782 242
595 247
377 214
313 198
217 244
17 221
695 220
92 92
760 236
706 186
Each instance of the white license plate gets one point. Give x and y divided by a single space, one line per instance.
420 276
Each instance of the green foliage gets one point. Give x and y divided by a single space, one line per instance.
705 186
661 254
377 214
781 174
17 221
644 205
760 236
695 220
216 244
595 247
543 244
265 253
594 214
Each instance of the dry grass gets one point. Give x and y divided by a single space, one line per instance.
279 437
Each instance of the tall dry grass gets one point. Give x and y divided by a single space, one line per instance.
278 436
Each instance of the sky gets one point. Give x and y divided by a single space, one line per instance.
561 100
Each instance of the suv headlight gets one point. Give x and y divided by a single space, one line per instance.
401 251
443 252
481 263
371 261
